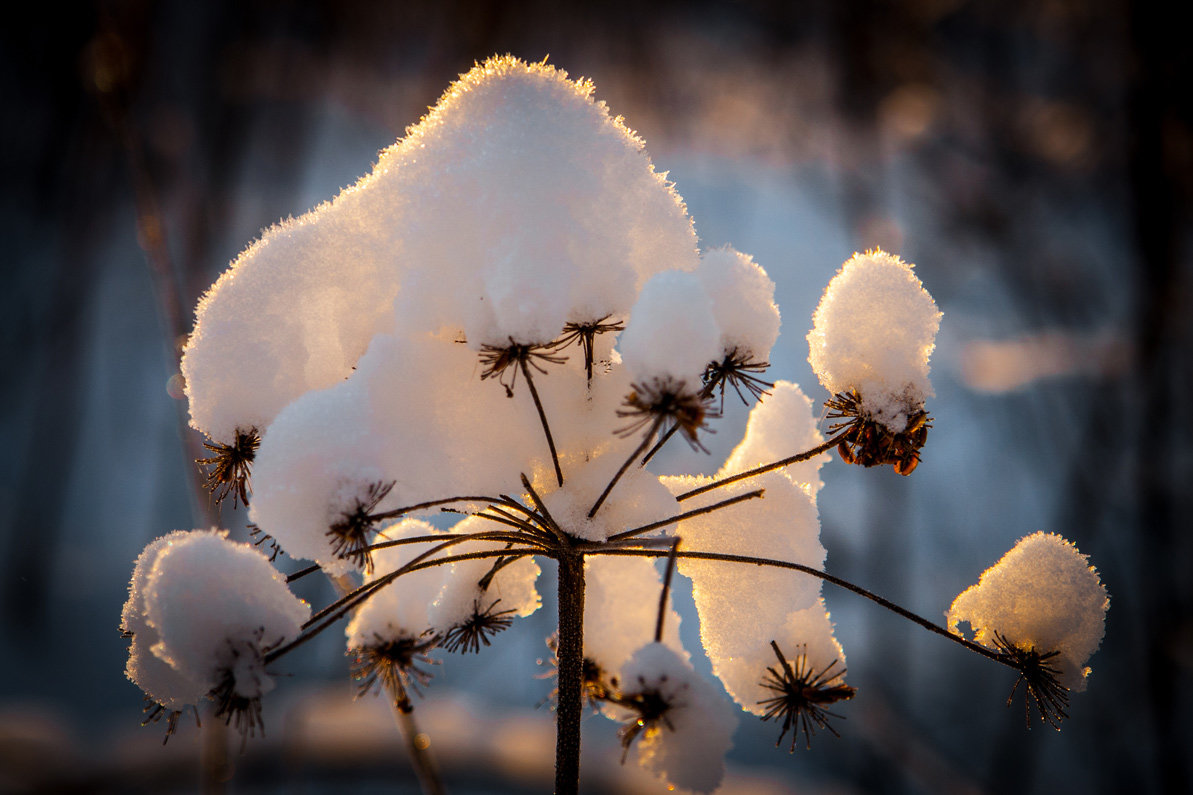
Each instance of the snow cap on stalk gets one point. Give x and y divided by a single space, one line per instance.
682 725
217 606
1043 596
873 333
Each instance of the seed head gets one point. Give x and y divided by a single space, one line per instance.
351 533
801 695
395 665
228 470
500 359
664 398
1040 680
477 628
869 442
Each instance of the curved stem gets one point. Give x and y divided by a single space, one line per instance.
538 404
646 528
795 459
857 589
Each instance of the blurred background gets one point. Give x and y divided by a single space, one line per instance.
1033 157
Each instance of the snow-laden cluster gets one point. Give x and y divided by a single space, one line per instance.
872 335
202 612
516 205
501 320
1042 596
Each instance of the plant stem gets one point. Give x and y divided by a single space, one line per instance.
418 745
646 528
570 673
795 459
654 427
421 760
538 404
658 627
857 589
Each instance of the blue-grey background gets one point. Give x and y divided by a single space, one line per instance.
1035 159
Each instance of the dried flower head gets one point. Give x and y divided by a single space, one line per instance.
477 628
595 686
351 533
264 541
500 359
240 684
870 442
650 707
228 470
153 712
738 371
395 664
665 399
802 693
1040 680
583 334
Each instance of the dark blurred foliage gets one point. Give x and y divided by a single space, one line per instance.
1044 147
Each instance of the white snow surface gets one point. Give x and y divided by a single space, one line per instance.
874 330
780 426
743 302
400 609
687 750
672 333
742 605
1044 595
621 609
515 205
208 599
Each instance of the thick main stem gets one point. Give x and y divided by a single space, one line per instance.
569 656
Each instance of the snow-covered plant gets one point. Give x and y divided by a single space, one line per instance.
504 321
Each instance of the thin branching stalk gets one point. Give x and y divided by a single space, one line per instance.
341 607
654 427
795 459
659 444
716 506
422 506
857 589
538 404
544 515
658 627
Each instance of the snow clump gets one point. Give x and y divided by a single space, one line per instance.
1044 596
873 333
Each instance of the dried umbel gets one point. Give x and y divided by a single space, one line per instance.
665 400
504 361
1040 680
352 533
396 664
868 441
802 695
354 370
478 627
229 469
